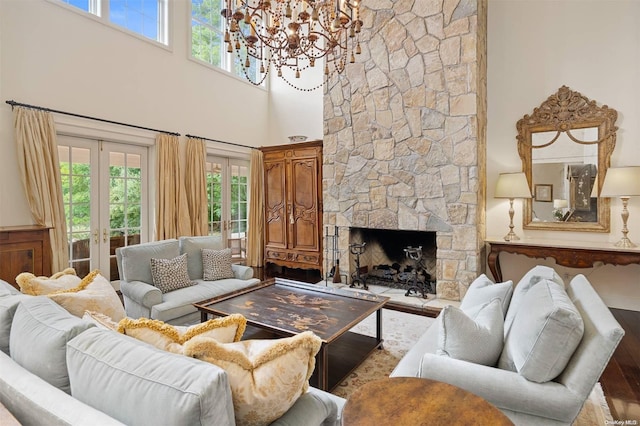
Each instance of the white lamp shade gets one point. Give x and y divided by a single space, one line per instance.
621 182
512 185
560 204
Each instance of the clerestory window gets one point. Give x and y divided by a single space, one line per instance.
207 41
147 18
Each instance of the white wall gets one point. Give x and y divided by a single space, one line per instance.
296 115
53 57
592 46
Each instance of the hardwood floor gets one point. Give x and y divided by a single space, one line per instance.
621 378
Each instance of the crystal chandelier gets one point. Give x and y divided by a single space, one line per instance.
292 35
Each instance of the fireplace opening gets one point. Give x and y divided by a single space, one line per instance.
393 258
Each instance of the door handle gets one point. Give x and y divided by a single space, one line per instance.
95 236
104 235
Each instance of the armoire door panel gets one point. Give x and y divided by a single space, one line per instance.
305 200
275 212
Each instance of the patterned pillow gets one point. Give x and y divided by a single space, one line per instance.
94 293
36 286
266 376
172 338
170 274
216 264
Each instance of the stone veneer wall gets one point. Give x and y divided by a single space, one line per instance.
405 132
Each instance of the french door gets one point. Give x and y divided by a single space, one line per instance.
105 193
228 202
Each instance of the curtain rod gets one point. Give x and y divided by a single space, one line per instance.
215 140
14 103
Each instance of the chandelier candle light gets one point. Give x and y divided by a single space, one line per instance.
292 35
511 186
623 182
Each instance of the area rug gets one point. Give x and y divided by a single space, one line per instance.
401 330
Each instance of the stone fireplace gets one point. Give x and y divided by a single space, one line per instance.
404 132
385 258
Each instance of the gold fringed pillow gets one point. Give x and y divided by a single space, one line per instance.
36 286
172 338
100 320
94 293
266 376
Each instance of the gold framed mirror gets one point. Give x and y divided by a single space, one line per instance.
565 146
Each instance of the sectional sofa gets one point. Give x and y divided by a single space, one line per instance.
58 369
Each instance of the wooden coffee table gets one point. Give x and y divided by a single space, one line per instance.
416 401
285 308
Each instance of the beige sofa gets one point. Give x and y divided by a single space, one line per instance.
143 300
556 401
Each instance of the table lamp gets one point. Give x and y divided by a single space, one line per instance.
511 186
623 182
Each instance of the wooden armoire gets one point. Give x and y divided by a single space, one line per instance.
293 205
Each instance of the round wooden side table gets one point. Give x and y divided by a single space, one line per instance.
414 401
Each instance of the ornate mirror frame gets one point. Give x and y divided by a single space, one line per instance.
562 112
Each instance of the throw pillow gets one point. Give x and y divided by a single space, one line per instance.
170 274
266 376
545 333
39 335
100 320
530 279
172 338
478 339
8 305
94 293
482 290
35 286
193 246
216 264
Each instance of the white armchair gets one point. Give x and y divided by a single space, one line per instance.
525 402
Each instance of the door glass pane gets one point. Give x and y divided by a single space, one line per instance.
125 209
214 197
75 172
238 209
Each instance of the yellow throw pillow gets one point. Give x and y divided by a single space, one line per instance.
100 320
266 376
36 286
94 293
172 338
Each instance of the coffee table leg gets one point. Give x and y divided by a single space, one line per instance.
323 368
203 316
379 328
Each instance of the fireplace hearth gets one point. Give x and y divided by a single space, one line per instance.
393 258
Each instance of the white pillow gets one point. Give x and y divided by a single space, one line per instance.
545 333
482 290
478 339
531 278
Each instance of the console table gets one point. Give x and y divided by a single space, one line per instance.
571 254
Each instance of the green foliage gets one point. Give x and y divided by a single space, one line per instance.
207 43
124 197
